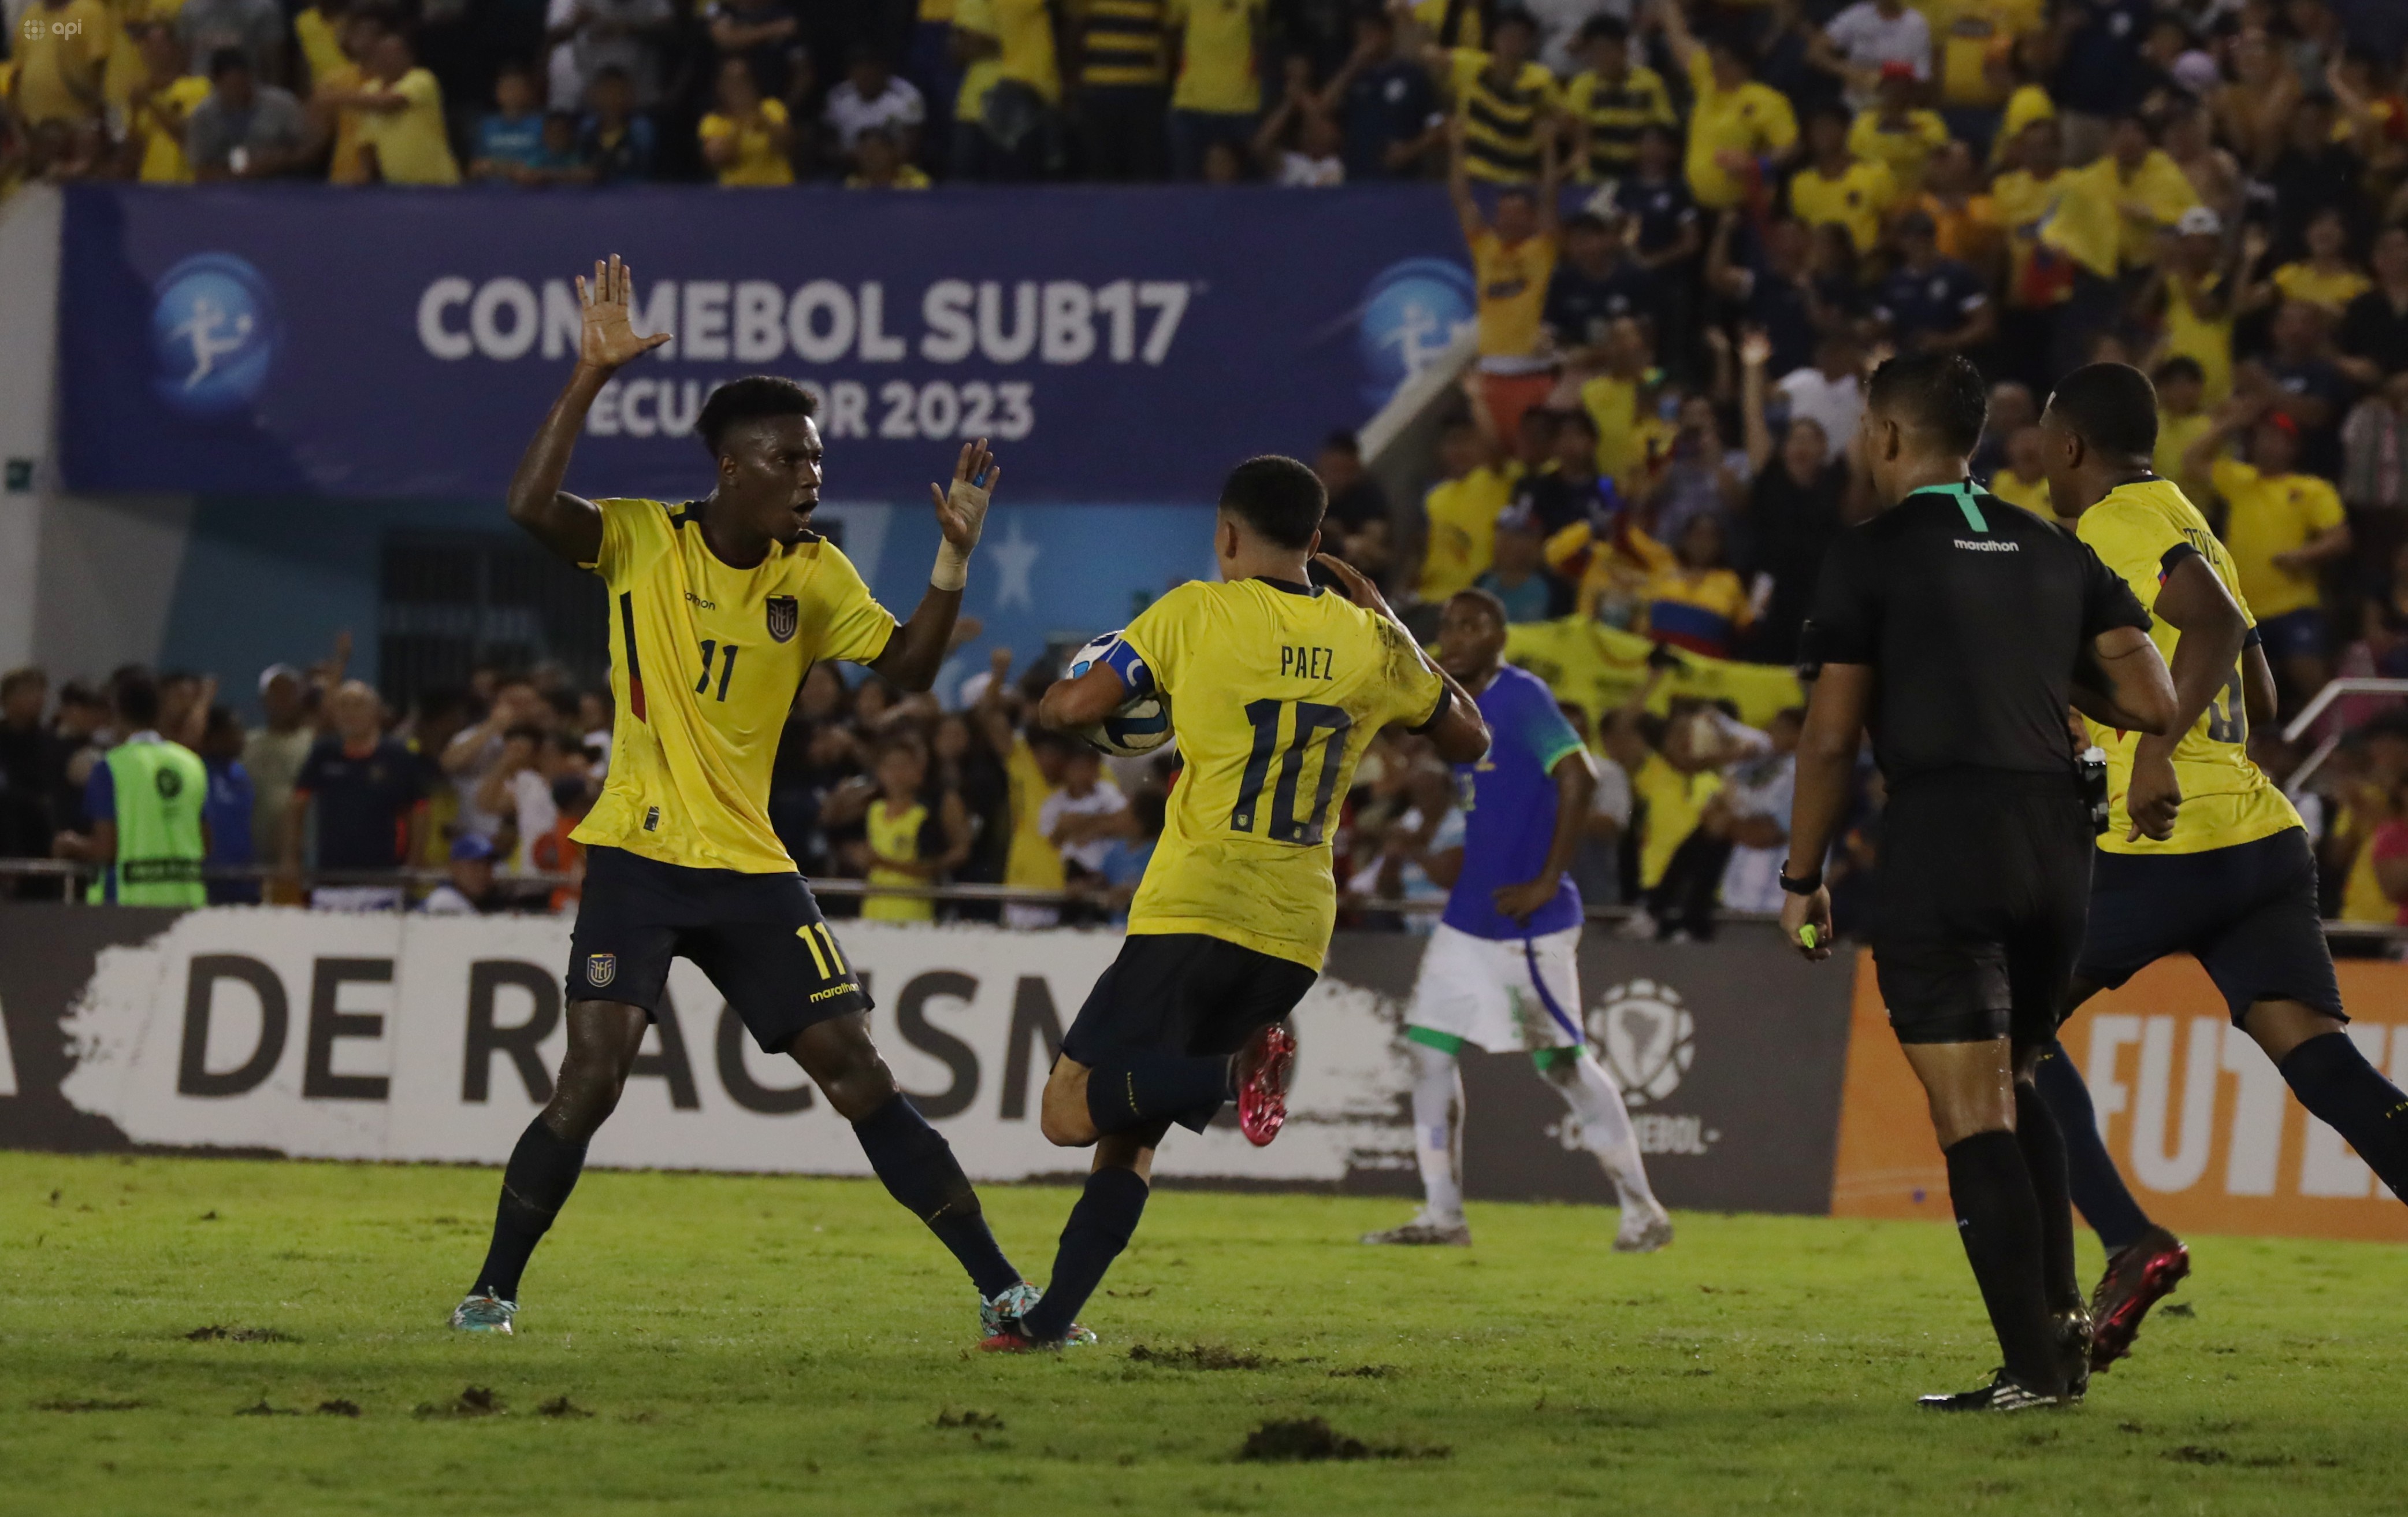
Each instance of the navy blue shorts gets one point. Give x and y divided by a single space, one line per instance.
2248 913
2293 634
760 938
1183 992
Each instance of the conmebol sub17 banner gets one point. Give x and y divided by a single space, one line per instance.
1117 345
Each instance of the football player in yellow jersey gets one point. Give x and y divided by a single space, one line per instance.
2234 881
717 610
1275 689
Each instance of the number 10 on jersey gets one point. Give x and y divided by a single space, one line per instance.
1313 723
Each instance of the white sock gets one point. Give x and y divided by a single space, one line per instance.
1605 1128
1438 1133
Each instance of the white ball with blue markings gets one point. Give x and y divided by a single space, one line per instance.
1142 723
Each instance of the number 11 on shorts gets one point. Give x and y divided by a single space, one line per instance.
819 959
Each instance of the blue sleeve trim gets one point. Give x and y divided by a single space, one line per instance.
1122 660
100 793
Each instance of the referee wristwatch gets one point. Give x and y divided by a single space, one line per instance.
1808 886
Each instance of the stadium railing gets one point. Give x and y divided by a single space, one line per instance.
2305 722
71 874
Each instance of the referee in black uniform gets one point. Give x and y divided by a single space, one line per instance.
1959 628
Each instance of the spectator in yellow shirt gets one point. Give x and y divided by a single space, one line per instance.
1741 132
1896 132
2197 292
1459 513
1005 125
319 29
1611 400
1218 96
1610 102
59 50
2023 478
1511 261
1504 101
402 135
879 165
161 103
2281 527
1838 188
746 140
2324 278
2022 200
2108 219
2182 418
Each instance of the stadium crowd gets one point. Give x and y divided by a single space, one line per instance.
1693 229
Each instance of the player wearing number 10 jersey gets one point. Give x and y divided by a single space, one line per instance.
1275 689
2234 880
717 609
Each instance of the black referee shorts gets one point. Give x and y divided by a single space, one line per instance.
1183 992
2248 913
1983 882
759 937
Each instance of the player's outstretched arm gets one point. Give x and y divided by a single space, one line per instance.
567 525
1459 734
918 647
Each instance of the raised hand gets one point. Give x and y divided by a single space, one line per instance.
961 511
1359 588
608 339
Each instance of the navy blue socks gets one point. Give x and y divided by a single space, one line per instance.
920 1171
1098 1231
2091 1176
542 1170
2333 1079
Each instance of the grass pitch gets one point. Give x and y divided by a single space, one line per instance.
194 1336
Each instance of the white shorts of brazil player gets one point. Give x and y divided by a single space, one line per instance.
1479 990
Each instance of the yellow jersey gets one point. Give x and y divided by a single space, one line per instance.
2142 530
2090 226
1511 281
2328 292
2176 434
705 660
1032 861
1612 404
2021 203
1275 691
1856 200
2030 495
894 839
1967 35
1675 799
2265 517
984 73
1905 146
1220 68
1462 531
1616 112
757 160
1755 119
1121 44
158 124
321 46
410 144
2206 341
1501 123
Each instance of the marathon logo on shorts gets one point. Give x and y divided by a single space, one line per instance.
783 617
1988 544
601 969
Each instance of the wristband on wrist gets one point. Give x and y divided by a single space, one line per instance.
1808 886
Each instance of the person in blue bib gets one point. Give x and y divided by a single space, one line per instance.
1502 969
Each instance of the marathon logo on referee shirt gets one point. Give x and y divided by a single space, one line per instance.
1988 545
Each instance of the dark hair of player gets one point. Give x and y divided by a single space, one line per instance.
1278 498
2111 407
137 699
1938 393
751 398
1488 603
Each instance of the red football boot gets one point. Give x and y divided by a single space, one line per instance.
2140 1275
1265 1065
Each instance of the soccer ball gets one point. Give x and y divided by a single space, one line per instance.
1140 725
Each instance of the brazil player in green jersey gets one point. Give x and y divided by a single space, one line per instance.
718 607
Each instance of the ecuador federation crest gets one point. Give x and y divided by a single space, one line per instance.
784 616
601 969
